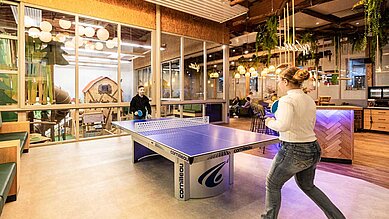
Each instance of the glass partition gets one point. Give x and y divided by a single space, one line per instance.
135 54
8 54
96 122
170 66
215 71
52 125
49 57
193 69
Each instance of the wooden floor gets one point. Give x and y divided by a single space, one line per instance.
371 155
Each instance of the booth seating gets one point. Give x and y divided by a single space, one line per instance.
14 140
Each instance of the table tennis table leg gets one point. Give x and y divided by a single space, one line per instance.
181 180
231 170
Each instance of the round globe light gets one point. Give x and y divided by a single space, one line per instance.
34 32
81 30
99 46
80 41
45 37
102 34
240 68
237 76
252 69
272 68
60 37
89 46
278 71
46 26
115 41
110 44
254 74
65 24
89 31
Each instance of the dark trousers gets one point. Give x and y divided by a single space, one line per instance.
298 160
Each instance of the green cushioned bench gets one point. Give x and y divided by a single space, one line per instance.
7 174
22 136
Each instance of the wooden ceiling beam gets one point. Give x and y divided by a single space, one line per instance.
327 17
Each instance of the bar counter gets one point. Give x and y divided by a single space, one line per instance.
335 132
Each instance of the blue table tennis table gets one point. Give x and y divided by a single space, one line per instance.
202 153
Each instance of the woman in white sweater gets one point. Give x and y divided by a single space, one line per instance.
300 152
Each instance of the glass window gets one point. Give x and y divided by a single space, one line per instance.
144 77
170 67
170 111
170 79
215 71
166 80
96 122
135 54
193 69
8 54
98 61
52 125
50 57
192 110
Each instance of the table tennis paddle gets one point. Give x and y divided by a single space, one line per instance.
140 113
274 106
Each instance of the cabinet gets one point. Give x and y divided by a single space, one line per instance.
376 119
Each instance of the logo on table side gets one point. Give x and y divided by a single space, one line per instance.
181 180
212 177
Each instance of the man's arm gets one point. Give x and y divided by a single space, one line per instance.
132 105
148 106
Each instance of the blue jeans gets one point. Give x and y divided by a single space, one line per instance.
298 160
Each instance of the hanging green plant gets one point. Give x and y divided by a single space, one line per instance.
358 42
375 23
267 39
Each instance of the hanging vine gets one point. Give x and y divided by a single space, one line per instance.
267 39
376 24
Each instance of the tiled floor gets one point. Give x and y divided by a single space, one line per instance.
95 179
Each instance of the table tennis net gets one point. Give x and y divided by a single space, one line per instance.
170 123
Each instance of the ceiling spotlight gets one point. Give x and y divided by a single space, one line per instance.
317 23
210 56
233 50
245 52
232 63
357 23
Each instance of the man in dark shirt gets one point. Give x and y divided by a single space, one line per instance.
140 102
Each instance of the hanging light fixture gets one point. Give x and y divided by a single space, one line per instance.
247 74
45 26
278 71
254 74
102 34
237 76
272 68
65 24
252 70
34 32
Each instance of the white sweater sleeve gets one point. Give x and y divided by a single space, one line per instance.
284 117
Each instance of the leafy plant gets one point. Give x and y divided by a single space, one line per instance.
358 42
267 39
375 25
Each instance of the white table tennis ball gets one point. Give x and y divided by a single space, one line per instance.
110 44
102 34
81 30
89 31
34 32
45 37
65 24
46 26
99 46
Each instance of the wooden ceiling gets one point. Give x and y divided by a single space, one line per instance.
324 17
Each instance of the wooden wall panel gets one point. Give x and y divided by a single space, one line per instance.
177 22
133 12
335 133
